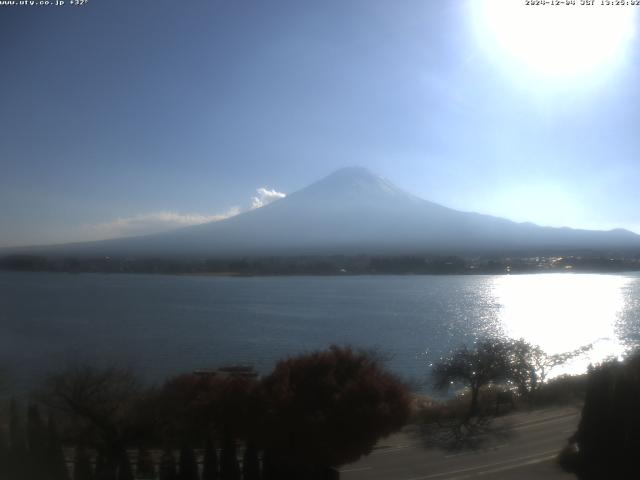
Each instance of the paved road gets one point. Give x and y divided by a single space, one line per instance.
527 453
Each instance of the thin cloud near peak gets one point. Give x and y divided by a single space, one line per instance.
148 223
163 221
265 196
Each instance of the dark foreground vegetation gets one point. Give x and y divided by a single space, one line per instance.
332 265
313 413
607 442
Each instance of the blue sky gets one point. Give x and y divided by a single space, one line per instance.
124 117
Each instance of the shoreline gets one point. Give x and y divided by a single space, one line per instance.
335 274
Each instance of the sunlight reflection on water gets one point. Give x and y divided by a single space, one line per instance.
165 325
562 312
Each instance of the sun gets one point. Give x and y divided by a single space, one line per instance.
554 40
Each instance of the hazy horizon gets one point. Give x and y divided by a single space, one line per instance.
131 118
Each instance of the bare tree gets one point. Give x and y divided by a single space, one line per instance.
530 366
484 363
99 401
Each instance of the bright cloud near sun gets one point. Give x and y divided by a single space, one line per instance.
553 41
264 197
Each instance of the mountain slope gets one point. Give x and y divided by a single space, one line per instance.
354 211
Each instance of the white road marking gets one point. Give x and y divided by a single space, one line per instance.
386 451
359 469
476 452
536 456
508 467
533 423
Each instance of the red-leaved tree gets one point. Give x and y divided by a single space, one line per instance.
329 408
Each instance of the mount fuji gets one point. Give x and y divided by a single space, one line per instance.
354 211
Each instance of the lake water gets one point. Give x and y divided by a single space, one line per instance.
164 325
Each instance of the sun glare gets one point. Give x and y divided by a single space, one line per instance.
562 312
554 41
